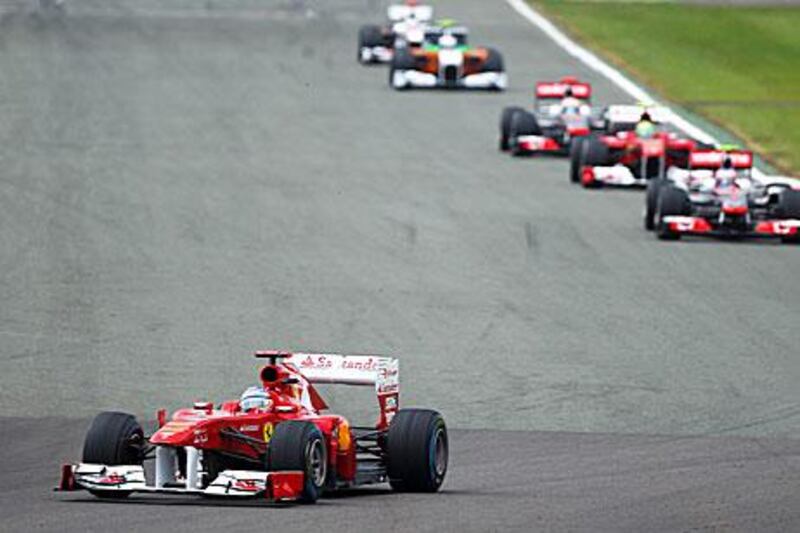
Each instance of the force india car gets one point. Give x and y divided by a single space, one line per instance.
446 61
276 442
624 158
561 113
407 24
717 196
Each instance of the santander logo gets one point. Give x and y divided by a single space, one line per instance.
323 362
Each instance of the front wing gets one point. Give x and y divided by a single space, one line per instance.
272 486
617 175
689 225
532 144
408 79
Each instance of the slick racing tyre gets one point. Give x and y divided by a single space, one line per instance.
522 123
596 153
113 439
300 446
418 450
494 61
789 207
402 60
505 125
672 201
369 36
651 203
577 154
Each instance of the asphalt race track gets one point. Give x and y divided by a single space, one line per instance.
182 182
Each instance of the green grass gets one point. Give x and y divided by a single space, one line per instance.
737 66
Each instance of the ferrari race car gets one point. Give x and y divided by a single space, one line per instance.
562 112
717 196
274 443
627 158
407 24
445 60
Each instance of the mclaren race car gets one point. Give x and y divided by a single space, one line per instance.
717 196
562 112
276 442
407 24
445 60
638 151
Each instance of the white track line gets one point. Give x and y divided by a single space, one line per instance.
613 75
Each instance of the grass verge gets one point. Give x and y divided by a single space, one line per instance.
739 67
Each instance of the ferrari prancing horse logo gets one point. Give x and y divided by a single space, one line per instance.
269 429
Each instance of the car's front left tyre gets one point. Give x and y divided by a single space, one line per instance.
298 445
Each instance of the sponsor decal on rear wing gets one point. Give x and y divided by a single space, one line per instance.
400 12
381 371
557 89
712 159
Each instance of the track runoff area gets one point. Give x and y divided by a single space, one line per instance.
165 210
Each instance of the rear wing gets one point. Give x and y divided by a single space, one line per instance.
557 89
630 114
368 370
713 159
400 12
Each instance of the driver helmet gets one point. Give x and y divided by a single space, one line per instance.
254 398
448 41
727 162
645 129
726 173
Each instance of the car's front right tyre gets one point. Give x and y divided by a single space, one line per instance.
113 439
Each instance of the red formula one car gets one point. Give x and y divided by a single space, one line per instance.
629 158
562 112
275 442
717 196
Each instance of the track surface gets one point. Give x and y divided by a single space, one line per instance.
182 182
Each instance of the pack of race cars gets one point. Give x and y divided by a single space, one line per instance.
277 441
692 188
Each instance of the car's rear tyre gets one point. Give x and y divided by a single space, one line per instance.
521 123
297 445
494 61
651 203
505 125
418 451
789 207
577 151
113 439
672 201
